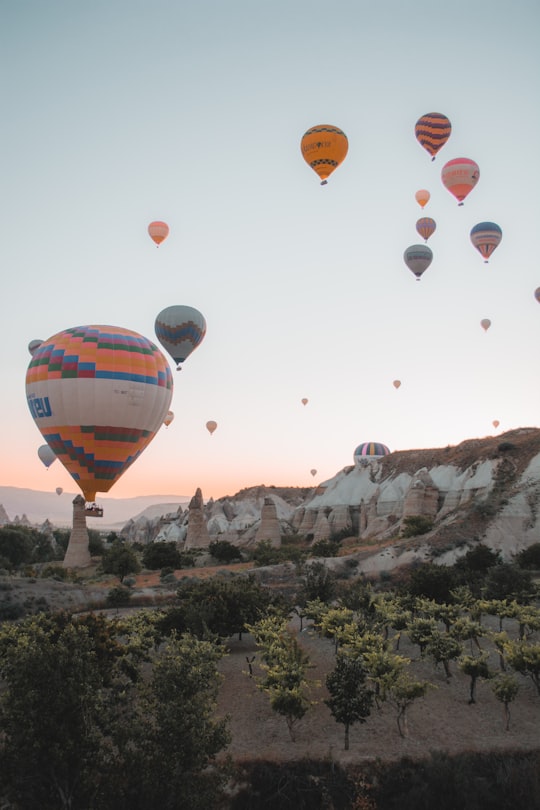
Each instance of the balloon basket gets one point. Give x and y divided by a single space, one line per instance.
92 510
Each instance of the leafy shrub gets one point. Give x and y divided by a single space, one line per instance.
415 525
505 447
224 552
118 597
529 557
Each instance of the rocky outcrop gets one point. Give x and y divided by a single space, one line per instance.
422 497
197 533
78 553
321 530
4 519
269 527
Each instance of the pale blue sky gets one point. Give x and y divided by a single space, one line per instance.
120 112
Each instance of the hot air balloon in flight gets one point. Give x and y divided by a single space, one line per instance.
432 131
537 294
180 329
485 323
396 384
33 345
211 426
46 455
422 197
98 395
324 147
313 472
418 258
369 450
485 237
495 423
460 176
168 419
426 227
158 231
59 490
305 401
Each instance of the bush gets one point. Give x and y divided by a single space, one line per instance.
224 552
118 597
161 555
415 525
529 557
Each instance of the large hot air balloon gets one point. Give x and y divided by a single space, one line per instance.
485 237
59 490
396 384
305 401
180 329
211 426
422 197
324 147
98 394
46 455
426 227
537 294
485 323
432 131
418 258
168 419
495 423
33 345
460 176
158 231
369 450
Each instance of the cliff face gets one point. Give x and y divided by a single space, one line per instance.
485 490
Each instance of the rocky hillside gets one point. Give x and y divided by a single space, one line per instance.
482 489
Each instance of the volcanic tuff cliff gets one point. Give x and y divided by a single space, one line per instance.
482 489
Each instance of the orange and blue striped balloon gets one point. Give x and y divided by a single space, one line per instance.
432 131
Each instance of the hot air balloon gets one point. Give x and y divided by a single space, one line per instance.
324 147
485 237
158 231
537 294
168 419
59 490
422 197
313 472
396 384
180 329
432 131
98 395
211 426
485 323
418 258
495 423
33 345
426 227
46 455
460 176
369 450
305 401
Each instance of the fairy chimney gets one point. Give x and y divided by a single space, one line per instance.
197 531
269 528
78 553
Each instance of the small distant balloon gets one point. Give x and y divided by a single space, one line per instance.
460 176
305 401
537 294
168 419
485 237
59 490
495 423
432 131
313 472
485 323
396 384
46 455
422 197
33 346
418 258
324 147
426 227
180 329
211 426
158 231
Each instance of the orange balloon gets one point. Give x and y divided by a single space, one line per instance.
496 423
158 231
460 176
324 147
422 197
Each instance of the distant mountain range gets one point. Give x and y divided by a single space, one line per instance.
58 509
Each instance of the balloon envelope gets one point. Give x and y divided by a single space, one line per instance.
158 231
485 237
537 294
98 394
432 131
33 345
324 147
485 323
460 176
313 472
180 329
46 455
422 197
59 490
418 258
305 401
396 383
168 419
496 423
426 227
369 450
211 426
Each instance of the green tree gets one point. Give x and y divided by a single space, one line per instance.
415 525
161 555
475 667
505 689
120 560
224 552
509 581
16 545
529 557
432 581
350 700
319 583
524 657
443 648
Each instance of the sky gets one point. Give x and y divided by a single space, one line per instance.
120 112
